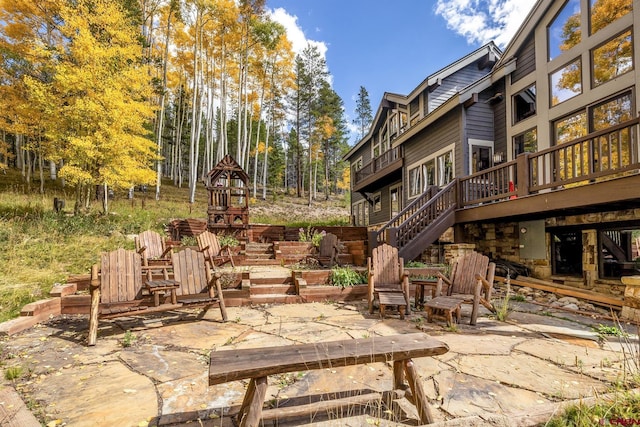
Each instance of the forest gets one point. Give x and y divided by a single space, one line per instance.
108 95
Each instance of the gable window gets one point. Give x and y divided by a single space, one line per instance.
613 58
601 12
564 32
566 82
524 104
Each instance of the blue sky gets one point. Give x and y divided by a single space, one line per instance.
392 46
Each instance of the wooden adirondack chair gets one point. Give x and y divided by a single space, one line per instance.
387 280
209 245
471 281
153 248
117 289
328 251
198 285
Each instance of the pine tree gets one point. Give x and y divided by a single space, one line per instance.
364 114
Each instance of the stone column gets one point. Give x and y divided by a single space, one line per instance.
456 250
631 307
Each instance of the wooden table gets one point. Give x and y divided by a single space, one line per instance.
420 284
257 364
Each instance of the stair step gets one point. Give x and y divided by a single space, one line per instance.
272 289
255 261
259 256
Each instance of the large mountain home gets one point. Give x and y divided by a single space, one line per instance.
531 154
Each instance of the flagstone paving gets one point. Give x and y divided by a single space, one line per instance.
153 370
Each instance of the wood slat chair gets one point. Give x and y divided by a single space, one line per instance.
198 285
209 245
471 282
153 248
387 280
328 251
117 289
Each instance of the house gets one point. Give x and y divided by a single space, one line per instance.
534 158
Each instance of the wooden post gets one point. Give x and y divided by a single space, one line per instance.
419 395
95 305
252 418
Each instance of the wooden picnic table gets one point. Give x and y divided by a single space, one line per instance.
257 364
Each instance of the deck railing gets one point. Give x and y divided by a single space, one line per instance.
602 155
377 164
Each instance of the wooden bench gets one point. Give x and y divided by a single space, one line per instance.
257 364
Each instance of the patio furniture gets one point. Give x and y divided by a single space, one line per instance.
152 247
471 282
388 282
328 251
209 245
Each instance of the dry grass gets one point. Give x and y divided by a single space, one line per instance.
39 247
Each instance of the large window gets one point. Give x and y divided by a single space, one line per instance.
395 199
604 12
566 82
437 170
613 58
526 142
524 104
570 128
564 32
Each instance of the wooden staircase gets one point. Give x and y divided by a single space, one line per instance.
420 224
273 286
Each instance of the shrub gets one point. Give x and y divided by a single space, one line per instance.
346 276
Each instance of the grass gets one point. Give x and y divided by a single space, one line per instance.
39 247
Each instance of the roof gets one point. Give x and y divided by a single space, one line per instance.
433 79
226 168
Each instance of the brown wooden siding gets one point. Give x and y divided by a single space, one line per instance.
435 137
500 121
526 59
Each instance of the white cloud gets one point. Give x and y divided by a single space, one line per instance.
481 21
295 34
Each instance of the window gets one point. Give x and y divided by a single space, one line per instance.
357 165
377 202
564 32
437 170
360 213
395 198
613 58
566 82
617 249
376 150
604 12
481 158
445 168
611 112
415 181
526 142
570 128
524 104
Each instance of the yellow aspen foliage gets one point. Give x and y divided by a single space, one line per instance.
77 82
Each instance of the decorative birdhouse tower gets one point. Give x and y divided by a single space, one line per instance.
228 209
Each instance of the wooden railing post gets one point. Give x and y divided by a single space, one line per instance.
523 175
372 236
392 236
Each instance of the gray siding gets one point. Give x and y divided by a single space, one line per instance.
526 59
453 84
479 119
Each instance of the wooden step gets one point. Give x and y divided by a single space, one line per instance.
272 289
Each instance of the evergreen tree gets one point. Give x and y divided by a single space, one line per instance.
364 114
